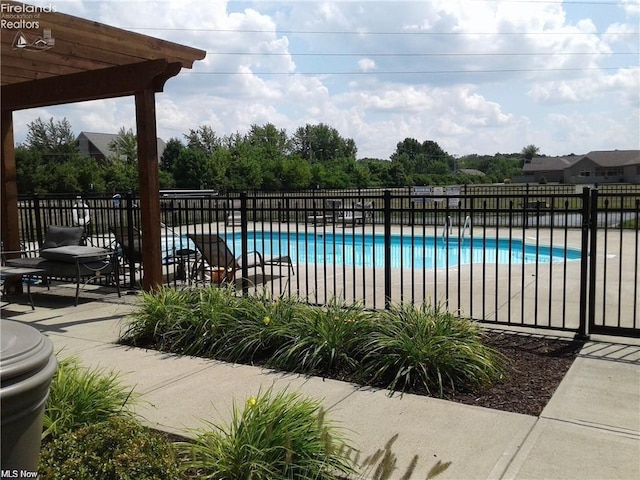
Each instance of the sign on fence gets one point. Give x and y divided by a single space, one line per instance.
436 194
453 194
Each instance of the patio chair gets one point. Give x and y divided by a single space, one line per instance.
62 256
56 236
360 213
131 248
216 254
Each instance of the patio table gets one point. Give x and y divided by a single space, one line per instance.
7 272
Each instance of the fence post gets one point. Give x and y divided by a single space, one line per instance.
593 213
525 207
130 239
387 249
584 264
243 241
36 211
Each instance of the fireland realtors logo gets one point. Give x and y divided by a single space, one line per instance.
23 18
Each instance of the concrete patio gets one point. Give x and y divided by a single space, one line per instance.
589 430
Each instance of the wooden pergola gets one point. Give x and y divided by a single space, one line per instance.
69 59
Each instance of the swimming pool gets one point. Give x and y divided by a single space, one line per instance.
352 249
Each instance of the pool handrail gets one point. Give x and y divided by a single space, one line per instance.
447 231
466 226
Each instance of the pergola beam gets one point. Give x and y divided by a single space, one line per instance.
99 84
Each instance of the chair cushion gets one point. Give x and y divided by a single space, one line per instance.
26 262
62 236
68 254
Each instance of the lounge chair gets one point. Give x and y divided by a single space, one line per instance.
351 217
129 243
216 255
62 256
360 213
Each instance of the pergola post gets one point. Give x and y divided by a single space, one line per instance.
9 194
149 184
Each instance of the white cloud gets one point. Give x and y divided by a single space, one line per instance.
366 64
623 86
542 73
631 7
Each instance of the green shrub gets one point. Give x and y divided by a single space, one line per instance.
189 321
117 449
323 339
276 435
157 314
425 347
81 396
258 328
405 348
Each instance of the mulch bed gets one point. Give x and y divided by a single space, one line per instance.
537 365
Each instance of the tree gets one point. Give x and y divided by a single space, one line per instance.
425 158
120 177
321 143
271 142
296 175
171 151
191 169
29 170
530 151
54 140
125 147
204 138
81 174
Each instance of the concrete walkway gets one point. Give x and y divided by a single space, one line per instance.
589 430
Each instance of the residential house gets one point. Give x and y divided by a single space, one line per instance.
611 166
96 145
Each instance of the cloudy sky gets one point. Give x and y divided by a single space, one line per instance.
475 76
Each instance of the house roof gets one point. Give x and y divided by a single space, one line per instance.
602 158
614 158
70 59
101 142
550 164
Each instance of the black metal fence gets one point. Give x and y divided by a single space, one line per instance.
556 257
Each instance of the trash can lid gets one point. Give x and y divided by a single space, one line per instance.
23 349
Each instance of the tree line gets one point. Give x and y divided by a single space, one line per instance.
265 158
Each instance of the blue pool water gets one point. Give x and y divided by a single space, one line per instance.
352 249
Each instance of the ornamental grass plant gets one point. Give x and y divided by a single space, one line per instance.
323 340
275 435
258 328
80 396
427 348
419 349
189 321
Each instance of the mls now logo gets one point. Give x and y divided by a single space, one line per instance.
18 474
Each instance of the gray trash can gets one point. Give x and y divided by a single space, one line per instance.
27 364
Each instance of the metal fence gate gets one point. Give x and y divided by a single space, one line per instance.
613 258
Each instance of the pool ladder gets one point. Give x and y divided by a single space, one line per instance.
447 229
467 225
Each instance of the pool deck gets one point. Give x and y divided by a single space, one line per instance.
589 430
